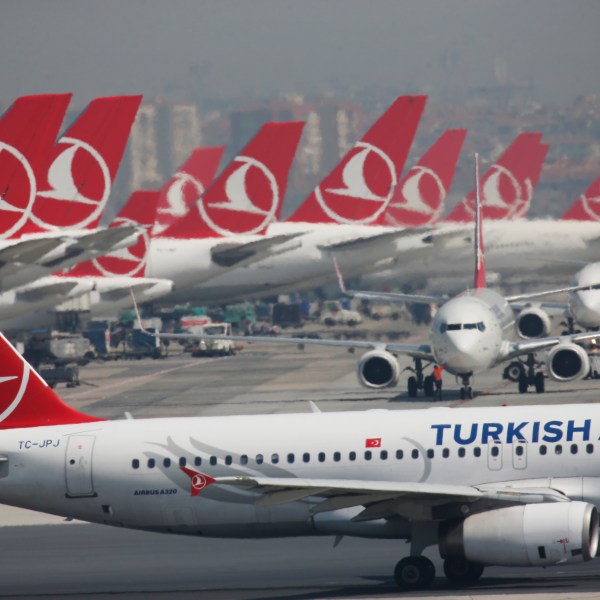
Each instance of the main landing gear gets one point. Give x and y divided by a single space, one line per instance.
418 572
525 374
418 382
466 391
461 571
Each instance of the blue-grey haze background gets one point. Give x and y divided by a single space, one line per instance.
502 59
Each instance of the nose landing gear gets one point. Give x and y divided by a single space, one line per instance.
466 391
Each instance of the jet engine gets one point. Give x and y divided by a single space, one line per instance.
533 322
532 534
567 362
378 369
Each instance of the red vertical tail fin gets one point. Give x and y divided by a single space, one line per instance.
479 279
28 132
26 400
82 167
361 186
507 187
419 197
140 209
178 197
248 194
587 206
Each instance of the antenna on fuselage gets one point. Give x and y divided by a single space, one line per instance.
479 279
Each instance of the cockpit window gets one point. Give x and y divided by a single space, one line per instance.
453 326
443 327
481 326
470 326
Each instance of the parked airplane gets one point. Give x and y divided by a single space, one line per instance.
227 225
41 206
468 335
517 486
305 262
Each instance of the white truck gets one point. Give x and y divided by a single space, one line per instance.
213 347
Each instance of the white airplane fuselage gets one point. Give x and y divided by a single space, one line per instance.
468 332
584 305
128 472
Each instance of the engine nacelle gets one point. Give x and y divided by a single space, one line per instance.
378 369
567 362
532 534
533 322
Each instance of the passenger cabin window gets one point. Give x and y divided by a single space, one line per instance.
430 453
197 461
275 458
494 451
167 463
259 459
228 459
306 457
399 454
151 463
244 459
337 456
415 453
321 456
291 458
213 460
368 455
445 452
383 455
182 461
519 450
135 463
543 449
477 451
589 448
461 452
574 449
352 455
558 449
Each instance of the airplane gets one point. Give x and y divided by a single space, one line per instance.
511 486
305 262
227 223
51 206
469 334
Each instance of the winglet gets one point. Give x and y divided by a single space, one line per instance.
479 281
198 480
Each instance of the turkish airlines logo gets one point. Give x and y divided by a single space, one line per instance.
176 204
251 197
12 389
367 187
503 196
18 189
199 482
591 206
126 262
423 192
79 185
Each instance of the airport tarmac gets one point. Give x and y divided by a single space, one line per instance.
43 557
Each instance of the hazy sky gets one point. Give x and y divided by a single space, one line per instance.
261 47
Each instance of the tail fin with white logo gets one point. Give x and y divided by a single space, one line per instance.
507 187
26 400
139 210
479 279
361 186
248 194
587 206
82 167
419 197
28 132
177 198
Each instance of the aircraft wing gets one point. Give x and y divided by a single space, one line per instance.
56 288
383 499
382 239
514 349
563 290
29 251
415 350
231 254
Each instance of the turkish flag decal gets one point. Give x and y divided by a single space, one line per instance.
373 443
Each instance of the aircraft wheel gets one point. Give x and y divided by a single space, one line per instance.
428 386
523 385
469 393
459 570
412 387
462 393
414 573
540 384
513 371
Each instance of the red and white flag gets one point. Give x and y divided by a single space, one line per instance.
373 443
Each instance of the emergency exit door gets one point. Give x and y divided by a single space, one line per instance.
78 466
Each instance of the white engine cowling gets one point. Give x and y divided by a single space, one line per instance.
378 369
567 362
527 535
533 322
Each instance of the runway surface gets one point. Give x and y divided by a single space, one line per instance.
42 557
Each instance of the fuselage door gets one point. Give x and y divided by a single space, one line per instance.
78 466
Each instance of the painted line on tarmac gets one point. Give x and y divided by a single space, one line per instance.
141 378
